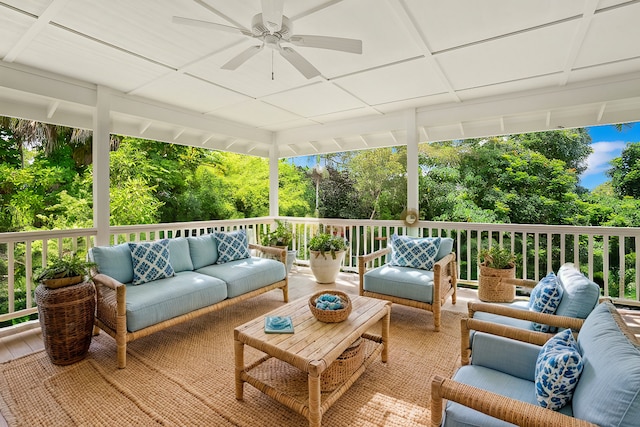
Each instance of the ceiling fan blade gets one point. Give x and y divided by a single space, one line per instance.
241 58
272 14
301 64
210 25
326 42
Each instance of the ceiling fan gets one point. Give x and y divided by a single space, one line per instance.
273 29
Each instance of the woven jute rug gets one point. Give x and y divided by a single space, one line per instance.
185 376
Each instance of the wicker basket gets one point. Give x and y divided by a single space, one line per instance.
331 316
343 367
59 283
66 317
490 288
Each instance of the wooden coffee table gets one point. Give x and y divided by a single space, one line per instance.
311 348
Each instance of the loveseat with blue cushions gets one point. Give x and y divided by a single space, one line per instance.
144 287
534 380
419 272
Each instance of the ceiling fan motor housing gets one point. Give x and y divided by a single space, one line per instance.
259 29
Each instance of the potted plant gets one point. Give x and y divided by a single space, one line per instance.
496 263
64 271
66 308
281 237
326 255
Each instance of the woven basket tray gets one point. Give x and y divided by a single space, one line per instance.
331 316
345 365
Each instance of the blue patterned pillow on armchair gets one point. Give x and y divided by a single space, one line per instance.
558 370
414 252
545 298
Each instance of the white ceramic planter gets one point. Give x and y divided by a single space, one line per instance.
325 268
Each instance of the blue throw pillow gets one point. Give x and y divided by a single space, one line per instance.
545 298
414 252
151 261
232 246
558 370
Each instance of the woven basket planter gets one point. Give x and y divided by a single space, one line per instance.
343 367
489 287
66 317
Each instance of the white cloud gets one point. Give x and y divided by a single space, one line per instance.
603 153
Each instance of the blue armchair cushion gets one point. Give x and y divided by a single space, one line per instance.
414 252
151 261
545 298
558 370
232 246
580 295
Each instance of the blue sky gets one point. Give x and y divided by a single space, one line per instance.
606 141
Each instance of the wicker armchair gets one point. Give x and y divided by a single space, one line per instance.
499 382
443 284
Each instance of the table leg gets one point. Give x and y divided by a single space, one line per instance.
239 368
385 334
315 417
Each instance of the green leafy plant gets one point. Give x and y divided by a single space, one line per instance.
496 257
281 235
325 242
67 266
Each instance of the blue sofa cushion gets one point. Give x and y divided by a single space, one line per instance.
232 246
495 381
506 355
245 275
179 254
403 282
414 252
114 261
545 298
608 393
580 294
150 261
203 250
164 299
558 370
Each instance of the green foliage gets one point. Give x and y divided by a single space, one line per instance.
67 266
281 235
625 171
496 257
326 242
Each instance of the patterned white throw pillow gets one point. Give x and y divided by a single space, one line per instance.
150 261
232 246
558 370
414 252
545 298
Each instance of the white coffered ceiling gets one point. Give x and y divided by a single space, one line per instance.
464 68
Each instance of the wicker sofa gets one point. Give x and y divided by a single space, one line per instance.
200 283
427 289
498 387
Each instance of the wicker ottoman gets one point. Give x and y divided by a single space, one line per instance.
66 317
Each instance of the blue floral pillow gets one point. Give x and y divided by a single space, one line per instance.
414 252
151 261
545 298
232 246
558 370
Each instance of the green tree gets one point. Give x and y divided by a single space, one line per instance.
572 146
625 171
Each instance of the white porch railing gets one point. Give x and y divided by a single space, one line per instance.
604 254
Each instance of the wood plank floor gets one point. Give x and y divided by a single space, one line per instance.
30 341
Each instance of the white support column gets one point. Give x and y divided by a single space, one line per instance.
101 183
412 166
273 178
